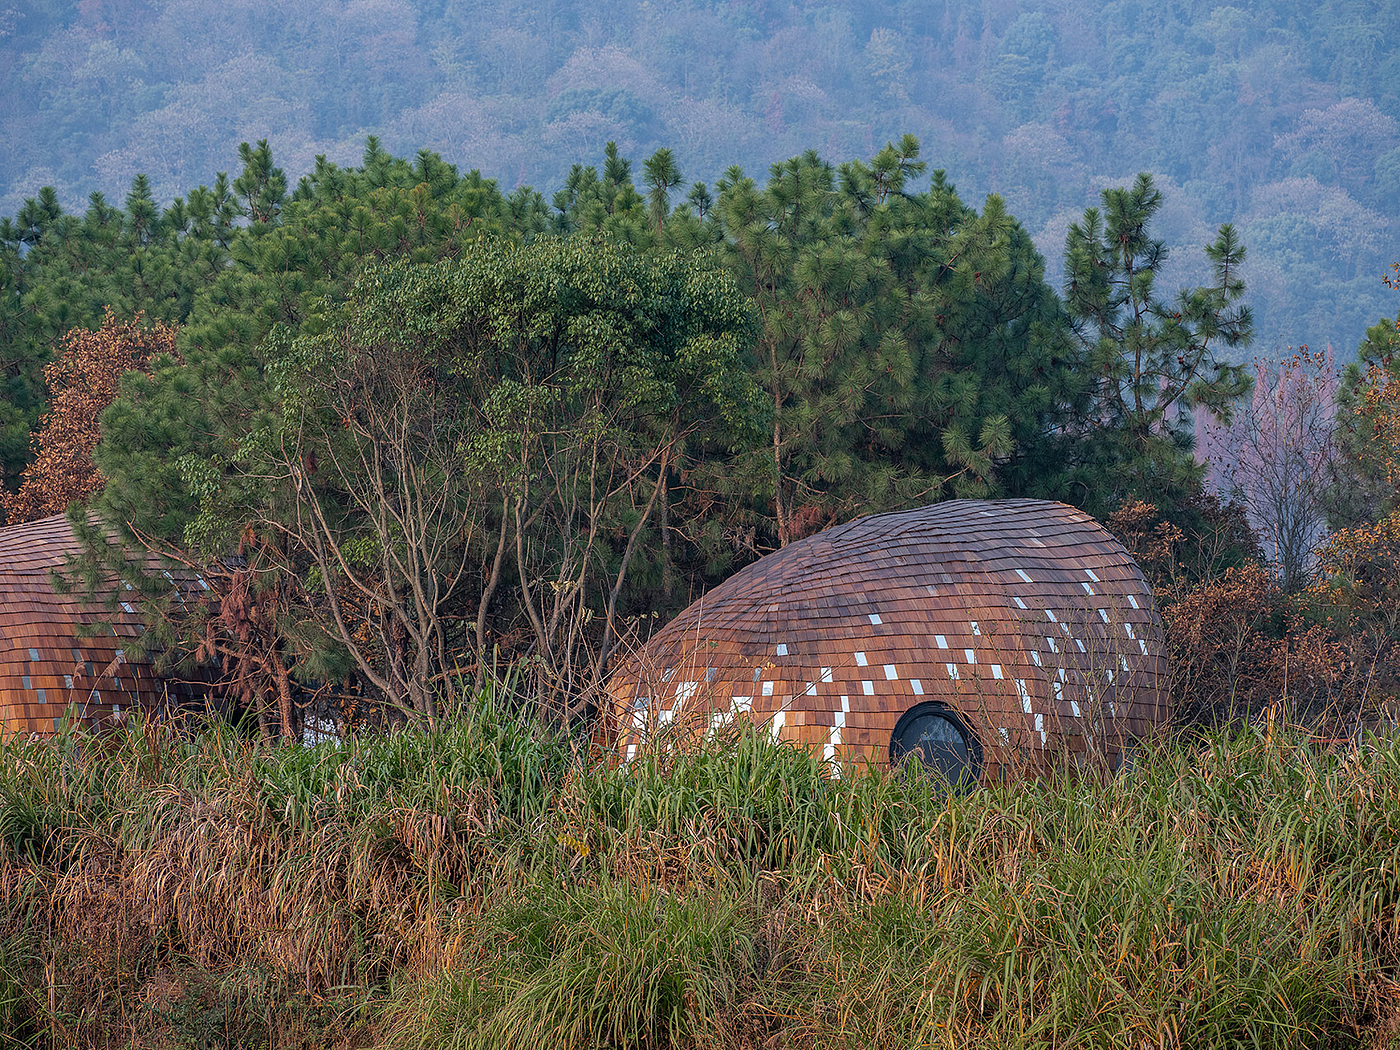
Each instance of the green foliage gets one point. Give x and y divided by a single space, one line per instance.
386 453
1364 492
1041 103
600 965
662 176
59 272
395 376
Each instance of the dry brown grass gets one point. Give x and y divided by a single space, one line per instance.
477 888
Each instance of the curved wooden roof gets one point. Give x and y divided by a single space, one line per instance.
1026 616
46 667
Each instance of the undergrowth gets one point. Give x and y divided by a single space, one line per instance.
488 886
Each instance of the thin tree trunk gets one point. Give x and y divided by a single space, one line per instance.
487 593
285 707
667 577
609 628
778 507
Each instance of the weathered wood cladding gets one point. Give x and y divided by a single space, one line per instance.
1025 616
49 669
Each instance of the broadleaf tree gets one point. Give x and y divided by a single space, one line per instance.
461 453
82 382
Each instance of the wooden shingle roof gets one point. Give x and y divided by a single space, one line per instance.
1025 616
47 669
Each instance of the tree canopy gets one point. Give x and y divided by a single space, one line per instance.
1279 117
454 452
409 420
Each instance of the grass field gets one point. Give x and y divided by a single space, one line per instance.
485 887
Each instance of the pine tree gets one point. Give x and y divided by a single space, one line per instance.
662 175
909 347
262 186
1153 360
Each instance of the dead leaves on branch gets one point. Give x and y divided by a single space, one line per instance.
82 383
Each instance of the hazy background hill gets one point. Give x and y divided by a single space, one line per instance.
1281 117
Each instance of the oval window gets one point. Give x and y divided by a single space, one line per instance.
940 740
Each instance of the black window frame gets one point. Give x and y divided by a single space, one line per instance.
976 760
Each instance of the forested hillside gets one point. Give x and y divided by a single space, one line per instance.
1280 117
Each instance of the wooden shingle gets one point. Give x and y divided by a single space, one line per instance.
49 669
1025 616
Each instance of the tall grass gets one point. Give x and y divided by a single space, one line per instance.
486 886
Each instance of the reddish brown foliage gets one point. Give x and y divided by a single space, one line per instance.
1197 543
1222 651
82 383
1150 539
1240 646
1359 582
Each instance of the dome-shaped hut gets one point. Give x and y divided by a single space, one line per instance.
49 667
980 635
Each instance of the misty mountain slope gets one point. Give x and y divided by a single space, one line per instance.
1281 117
